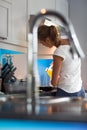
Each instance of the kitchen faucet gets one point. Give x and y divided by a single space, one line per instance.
33 76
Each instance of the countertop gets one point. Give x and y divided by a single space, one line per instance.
47 108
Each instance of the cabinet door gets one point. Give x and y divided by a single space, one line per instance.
34 6
5 20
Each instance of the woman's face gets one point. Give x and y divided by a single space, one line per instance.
47 43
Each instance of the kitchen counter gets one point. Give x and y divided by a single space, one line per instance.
48 108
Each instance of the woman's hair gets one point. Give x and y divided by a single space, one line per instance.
45 31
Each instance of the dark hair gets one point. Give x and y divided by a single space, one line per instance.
45 31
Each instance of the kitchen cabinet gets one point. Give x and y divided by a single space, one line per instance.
13 25
5 20
13 22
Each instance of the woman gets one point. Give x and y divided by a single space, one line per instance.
66 74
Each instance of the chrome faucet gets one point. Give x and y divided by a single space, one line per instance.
33 76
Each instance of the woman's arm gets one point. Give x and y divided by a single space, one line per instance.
57 63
